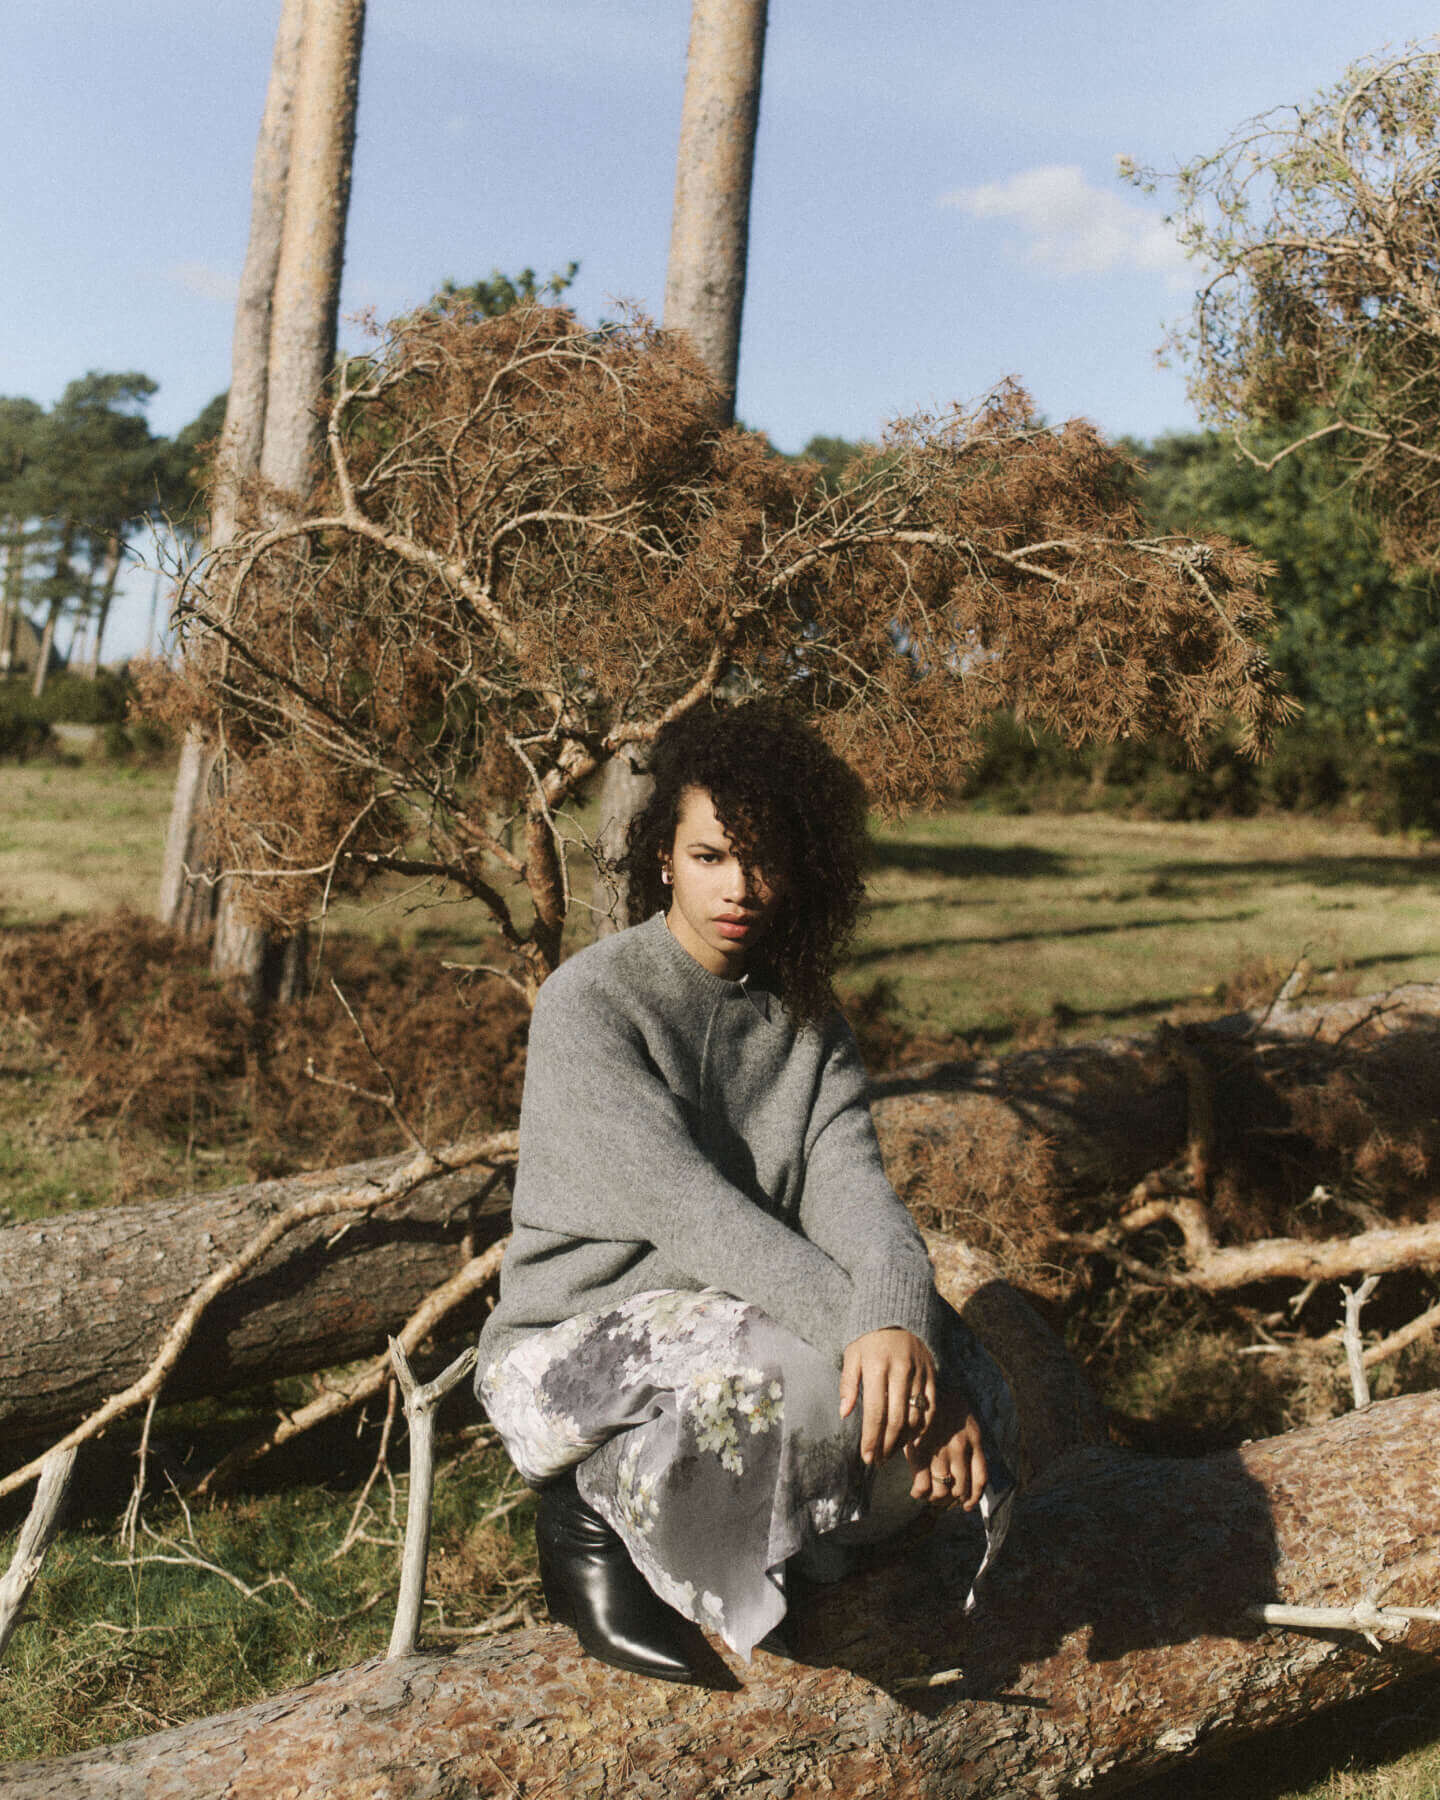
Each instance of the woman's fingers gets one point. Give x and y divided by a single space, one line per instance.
897 1409
892 1374
876 1391
850 1379
951 1472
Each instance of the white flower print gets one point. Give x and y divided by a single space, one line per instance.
635 1494
721 1403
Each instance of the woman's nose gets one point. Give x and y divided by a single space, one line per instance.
739 886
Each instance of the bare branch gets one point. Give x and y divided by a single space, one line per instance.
41 1523
421 1404
1355 1299
332 1202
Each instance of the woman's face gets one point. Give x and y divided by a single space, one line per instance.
716 911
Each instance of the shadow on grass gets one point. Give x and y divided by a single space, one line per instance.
1395 961
1015 862
889 952
1420 870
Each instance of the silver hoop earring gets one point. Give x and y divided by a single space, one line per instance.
666 877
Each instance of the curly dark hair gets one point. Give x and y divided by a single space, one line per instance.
789 805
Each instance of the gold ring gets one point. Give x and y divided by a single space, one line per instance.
916 1404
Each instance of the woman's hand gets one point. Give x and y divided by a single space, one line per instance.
896 1374
947 1457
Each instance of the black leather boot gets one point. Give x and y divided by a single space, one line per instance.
591 1584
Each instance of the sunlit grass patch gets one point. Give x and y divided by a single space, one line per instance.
988 925
80 837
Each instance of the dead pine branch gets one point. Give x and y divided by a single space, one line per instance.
390 1099
470 580
333 1202
1423 1325
35 1538
354 1531
1228 1266
1365 1617
421 1405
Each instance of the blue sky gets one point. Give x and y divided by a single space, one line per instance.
935 202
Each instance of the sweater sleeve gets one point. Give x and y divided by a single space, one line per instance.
849 1210
606 1152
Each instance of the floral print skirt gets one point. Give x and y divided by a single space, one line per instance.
710 1439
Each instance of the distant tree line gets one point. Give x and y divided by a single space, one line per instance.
78 483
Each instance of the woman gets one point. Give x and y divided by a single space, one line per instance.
717 1323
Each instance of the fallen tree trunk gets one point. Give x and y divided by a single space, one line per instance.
1108 1112
1113 1640
97 1291
91 1295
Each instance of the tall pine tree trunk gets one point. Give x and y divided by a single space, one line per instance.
304 310
187 889
63 579
705 277
312 246
10 596
710 226
47 649
114 556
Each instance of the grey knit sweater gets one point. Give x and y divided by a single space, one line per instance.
678 1132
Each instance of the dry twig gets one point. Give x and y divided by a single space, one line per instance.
421 1405
36 1533
1355 1299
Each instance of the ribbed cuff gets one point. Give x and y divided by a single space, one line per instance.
887 1294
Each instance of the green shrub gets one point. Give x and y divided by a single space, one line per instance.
22 733
1314 769
74 699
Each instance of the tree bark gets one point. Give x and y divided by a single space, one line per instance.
1112 1641
243 432
47 647
188 885
10 596
92 1294
63 578
188 904
304 309
306 299
710 225
623 792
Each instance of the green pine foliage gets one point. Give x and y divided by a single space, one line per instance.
1358 646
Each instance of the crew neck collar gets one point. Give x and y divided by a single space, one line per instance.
743 987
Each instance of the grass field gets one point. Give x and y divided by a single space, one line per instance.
1000 930
79 838
1099 924
984 925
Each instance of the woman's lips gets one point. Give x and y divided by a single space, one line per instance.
735 927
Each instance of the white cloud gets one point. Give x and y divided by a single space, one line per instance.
202 280
1068 228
